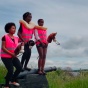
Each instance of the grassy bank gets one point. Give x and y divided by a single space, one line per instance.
2 73
59 79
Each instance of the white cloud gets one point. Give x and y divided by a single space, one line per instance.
61 63
66 17
74 47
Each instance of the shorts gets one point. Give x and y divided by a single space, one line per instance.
40 45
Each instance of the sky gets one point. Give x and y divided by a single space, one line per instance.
69 18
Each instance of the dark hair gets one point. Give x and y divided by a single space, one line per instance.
8 26
26 14
39 20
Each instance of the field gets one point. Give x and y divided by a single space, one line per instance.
59 79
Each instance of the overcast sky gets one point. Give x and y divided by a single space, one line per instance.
69 18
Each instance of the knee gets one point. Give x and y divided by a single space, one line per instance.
19 68
44 56
10 72
41 56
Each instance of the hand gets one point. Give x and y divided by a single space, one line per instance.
25 43
46 44
13 55
22 44
43 44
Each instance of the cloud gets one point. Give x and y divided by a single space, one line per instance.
76 42
59 16
74 47
66 17
61 63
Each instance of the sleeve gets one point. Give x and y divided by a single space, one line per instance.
36 34
20 28
3 38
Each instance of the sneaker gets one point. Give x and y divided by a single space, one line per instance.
22 70
14 83
39 72
44 73
27 68
6 87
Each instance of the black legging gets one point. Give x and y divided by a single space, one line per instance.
26 56
9 63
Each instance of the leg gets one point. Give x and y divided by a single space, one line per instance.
24 56
9 66
18 67
40 52
44 58
23 59
27 56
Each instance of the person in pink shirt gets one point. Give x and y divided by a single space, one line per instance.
25 34
8 57
40 33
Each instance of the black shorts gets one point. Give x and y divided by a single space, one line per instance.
40 45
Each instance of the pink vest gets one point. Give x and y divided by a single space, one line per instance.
10 45
42 35
27 33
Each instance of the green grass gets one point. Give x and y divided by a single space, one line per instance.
58 79
2 73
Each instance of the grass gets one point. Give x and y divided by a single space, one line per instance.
2 73
59 79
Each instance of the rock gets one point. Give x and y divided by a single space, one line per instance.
34 81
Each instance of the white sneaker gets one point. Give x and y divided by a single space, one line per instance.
6 87
14 83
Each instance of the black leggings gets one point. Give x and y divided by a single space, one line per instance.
9 63
26 56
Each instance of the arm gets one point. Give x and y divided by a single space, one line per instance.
36 35
19 34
